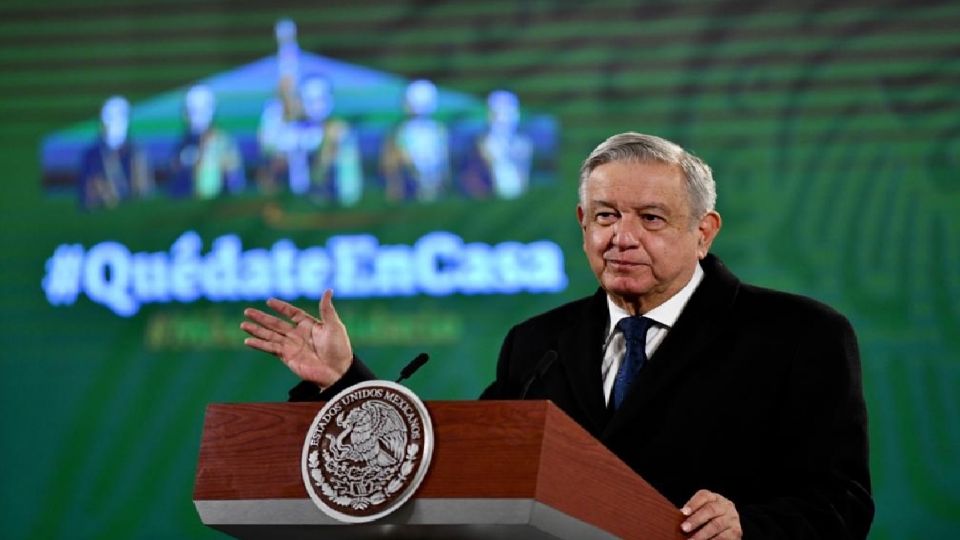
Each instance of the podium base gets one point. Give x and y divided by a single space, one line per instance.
521 519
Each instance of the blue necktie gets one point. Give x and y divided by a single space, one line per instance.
635 333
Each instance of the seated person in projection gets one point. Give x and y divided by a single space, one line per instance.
307 150
207 162
113 169
498 163
415 158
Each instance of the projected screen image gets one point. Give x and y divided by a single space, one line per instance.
167 164
309 126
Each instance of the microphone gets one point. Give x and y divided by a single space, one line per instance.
413 366
539 371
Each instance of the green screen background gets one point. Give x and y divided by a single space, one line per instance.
833 130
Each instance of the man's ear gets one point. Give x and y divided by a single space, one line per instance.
580 215
708 228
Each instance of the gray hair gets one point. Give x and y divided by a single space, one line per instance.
701 189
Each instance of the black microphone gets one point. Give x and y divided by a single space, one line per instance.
413 366
539 371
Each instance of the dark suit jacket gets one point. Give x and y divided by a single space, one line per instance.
753 394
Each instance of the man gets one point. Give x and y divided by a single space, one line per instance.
498 161
309 149
207 161
415 159
743 405
113 169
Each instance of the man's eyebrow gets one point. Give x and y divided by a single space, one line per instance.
652 206
600 202
639 208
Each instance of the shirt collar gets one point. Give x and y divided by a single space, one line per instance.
667 313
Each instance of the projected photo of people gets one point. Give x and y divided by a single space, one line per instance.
415 159
113 168
207 162
298 126
499 161
307 151
303 148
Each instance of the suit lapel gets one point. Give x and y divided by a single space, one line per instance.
687 343
581 353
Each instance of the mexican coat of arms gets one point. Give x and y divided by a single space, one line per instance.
367 451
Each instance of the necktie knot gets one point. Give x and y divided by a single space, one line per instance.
634 331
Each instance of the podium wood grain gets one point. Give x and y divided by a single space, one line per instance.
491 449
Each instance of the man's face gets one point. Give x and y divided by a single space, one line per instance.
638 233
317 97
115 119
200 105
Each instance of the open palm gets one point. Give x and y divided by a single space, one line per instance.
316 350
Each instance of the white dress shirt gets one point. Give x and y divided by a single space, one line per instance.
664 317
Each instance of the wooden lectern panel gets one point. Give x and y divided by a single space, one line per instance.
581 477
487 453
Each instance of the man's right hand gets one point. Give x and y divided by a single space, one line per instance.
317 350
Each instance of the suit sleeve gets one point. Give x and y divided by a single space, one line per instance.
308 391
825 492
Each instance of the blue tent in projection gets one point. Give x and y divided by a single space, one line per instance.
370 100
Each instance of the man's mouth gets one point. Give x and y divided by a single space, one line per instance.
622 263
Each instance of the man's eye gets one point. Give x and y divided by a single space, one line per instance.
606 217
653 220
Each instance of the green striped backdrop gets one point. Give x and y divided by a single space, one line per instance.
833 129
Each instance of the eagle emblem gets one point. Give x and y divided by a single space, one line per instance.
374 434
367 451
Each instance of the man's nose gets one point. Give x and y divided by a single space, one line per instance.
626 232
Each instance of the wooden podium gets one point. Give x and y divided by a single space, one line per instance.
500 469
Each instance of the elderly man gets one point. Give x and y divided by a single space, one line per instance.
741 405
